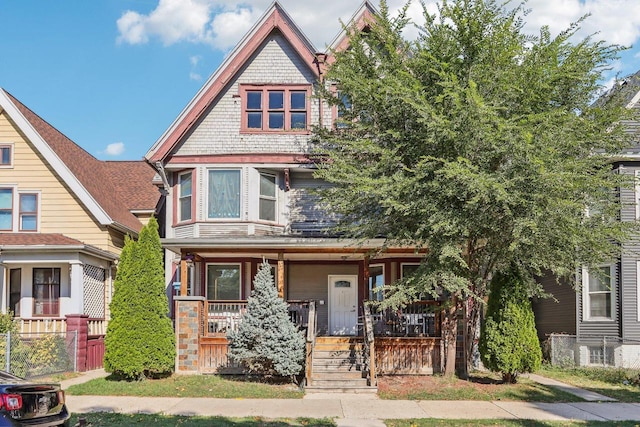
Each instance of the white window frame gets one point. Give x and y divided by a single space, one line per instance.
17 214
240 275
11 147
586 295
273 198
181 196
240 195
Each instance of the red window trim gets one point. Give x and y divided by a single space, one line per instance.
287 89
176 198
36 212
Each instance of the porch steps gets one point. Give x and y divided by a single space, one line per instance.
337 367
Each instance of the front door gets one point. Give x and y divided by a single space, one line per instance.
343 313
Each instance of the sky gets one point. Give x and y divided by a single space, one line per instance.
112 75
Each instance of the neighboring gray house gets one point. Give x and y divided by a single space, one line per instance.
603 313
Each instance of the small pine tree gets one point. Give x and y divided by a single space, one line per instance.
140 341
267 342
508 340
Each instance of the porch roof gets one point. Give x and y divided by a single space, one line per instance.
295 247
38 243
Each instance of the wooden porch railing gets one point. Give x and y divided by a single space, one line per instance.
37 326
223 316
311 340
418 319
369 345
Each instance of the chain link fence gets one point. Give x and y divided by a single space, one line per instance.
569 351
29 355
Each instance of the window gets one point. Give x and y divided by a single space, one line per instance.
6 155
601 355
376 280
267 197
46 291
275 108
223 282
28 215
15 285
598 300
184 197
224 194
6 209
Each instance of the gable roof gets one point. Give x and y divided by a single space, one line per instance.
361 19
94 182
275 18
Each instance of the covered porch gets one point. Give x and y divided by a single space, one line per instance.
327 284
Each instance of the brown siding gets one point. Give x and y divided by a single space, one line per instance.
555 315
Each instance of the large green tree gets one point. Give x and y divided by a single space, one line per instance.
140 341
477 142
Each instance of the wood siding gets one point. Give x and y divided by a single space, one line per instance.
274 62
556 314
311 282
60 211
629 326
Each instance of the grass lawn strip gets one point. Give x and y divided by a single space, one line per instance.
482 386
105 419
189 386
429 422
621 384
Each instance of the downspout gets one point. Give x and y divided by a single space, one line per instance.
163 177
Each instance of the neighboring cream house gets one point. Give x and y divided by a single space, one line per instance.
63 218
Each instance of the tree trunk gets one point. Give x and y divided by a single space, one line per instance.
449 335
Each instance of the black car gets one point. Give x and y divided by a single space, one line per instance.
24 403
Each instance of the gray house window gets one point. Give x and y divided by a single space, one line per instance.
598 295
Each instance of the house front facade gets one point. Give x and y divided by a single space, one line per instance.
237 168
598 322
63 219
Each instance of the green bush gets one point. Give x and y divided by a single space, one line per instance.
140 341
49 354
267 342
508 338
19 352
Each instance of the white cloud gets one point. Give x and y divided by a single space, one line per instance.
115 149
221 23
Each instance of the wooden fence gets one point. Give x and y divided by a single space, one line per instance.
413 355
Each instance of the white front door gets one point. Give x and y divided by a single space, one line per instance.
343 308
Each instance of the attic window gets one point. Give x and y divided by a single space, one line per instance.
6 155
275 108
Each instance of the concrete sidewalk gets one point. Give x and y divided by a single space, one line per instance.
352 410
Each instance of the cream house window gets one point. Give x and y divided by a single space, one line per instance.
6 209
6 155
268 197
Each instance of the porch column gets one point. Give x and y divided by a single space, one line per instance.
188 311
281 275
76 287
78 328
184 277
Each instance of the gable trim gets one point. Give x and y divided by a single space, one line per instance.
274 19
52 158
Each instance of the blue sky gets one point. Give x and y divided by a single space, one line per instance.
112 75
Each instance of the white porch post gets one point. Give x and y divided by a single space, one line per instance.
76 288
4 287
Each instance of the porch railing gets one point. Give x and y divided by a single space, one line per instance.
224 316
310 341
418 319
369 345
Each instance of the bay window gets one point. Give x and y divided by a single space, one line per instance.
267 197
224 194
185 197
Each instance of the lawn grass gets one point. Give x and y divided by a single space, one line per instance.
483 386
618 383
189 386
429 422
105 419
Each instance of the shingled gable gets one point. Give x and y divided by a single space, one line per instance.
275 18
90 179
361 19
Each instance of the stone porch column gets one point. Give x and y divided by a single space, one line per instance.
188 311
